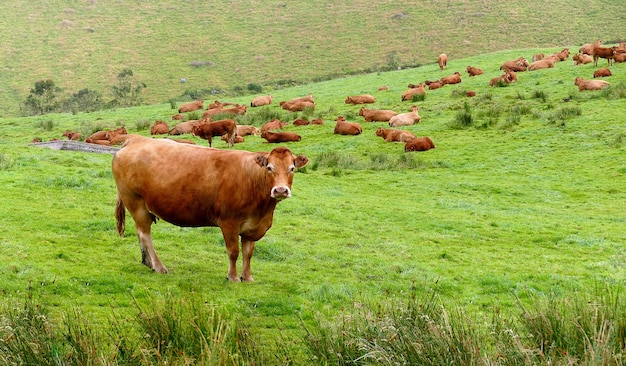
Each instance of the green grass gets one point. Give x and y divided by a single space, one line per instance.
87 44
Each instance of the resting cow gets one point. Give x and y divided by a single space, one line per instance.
245 130
359 99
581 59
343 127
184 127
75 136
451 79
276 137
193 186
393 135
273 125
260 101
433 84
376 115
190 107
419 144
417 90
159 128
405 119
590 84
603 72
474 71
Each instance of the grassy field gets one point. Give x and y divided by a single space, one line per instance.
525 202
227 46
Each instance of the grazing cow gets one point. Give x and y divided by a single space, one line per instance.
474 71
343 127
451 79
603 72
273 125
393 135
604 52
587 48
296 106
376 115
74 136
417 90
516 65
159 128
405 119
207 129
260 101
442 60
276 137
581 59
184 128
419 144
360 99
546 63
433 84
300 122
193 186
190 107
590 84
538 56
246 130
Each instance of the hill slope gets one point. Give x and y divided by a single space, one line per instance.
86 44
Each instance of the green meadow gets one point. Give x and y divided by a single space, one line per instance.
503 245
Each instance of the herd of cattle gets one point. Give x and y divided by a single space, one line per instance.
238 190
228 129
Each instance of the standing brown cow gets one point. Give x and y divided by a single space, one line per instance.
193 186
207 129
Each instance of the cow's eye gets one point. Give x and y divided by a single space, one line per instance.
292 168
270 168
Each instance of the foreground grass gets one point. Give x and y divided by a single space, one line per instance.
522 205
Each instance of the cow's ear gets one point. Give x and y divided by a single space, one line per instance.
301 161
261 160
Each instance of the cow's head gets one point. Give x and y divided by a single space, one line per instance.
280 165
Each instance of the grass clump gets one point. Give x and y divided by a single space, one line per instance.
463 119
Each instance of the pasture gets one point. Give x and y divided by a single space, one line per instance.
524 202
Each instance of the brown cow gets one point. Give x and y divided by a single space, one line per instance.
317 121
193 186
604 52
546 63
360 99
301 122
276 137
99 136
418 90
260 101
590 84
273 125
433 84
121 138
74 136
297 106
442 60
184 127
343 127
451 79
520 64
419 144
159 128
190 107
538 56
394 135
405 119
376 115
245 130
178 117
587 48
474 71
207 129
619 57
238 139
603 72
581 59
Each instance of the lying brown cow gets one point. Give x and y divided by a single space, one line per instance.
190 107
360 99
603 72
184 127
590 84
419 144
451 79
297 106
273 125
394 135
474 71
234 190
261 101
207 129
276 137
343 127
71 135
159 128
376 115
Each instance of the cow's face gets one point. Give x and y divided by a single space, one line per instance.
280 165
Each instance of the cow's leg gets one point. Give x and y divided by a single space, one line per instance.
143 222
247 248
231 238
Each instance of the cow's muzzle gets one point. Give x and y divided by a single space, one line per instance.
280 192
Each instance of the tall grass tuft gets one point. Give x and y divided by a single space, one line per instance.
46 125
463 119
540 94
561 115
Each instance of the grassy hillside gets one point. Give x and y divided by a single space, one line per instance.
217 45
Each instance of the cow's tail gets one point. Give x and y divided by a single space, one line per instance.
120 216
